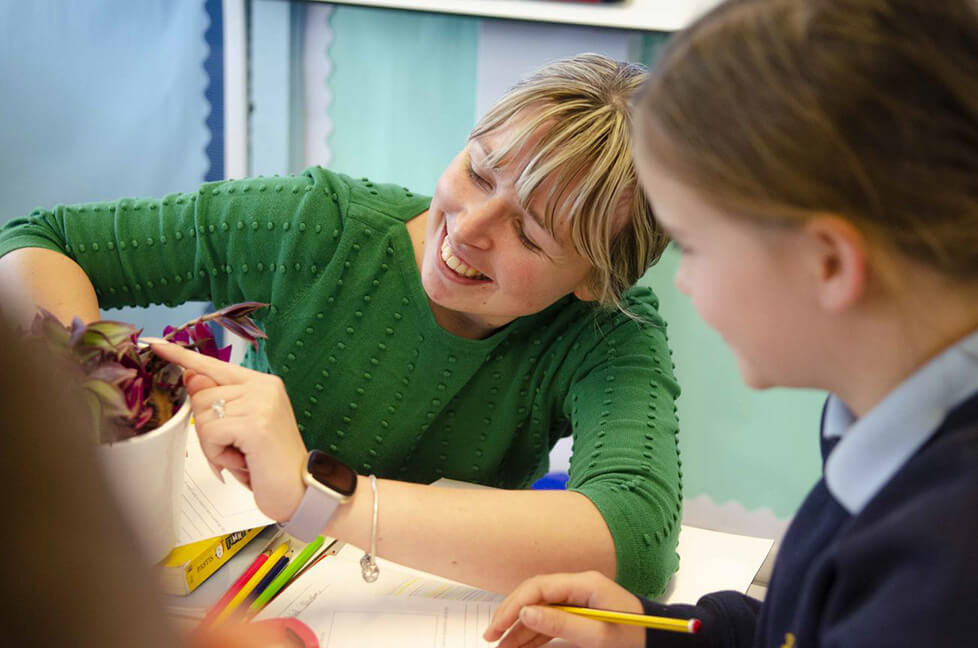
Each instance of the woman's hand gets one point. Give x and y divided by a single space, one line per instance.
531 623
245 424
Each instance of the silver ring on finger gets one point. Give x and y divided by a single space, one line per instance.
218 407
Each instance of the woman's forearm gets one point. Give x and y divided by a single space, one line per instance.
493 539
490 538
33 277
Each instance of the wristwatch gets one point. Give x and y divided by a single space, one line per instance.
329 483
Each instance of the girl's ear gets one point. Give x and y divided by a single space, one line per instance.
839 261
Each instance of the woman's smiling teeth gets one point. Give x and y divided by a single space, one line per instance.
456 264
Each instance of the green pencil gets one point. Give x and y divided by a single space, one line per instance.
286 575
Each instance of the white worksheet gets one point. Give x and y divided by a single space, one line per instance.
403 608
210 508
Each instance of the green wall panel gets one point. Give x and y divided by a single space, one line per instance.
403 87
756 448
644 47
759 448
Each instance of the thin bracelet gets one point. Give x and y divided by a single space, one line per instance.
368 566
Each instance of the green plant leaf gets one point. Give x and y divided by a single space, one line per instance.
106 337
110 397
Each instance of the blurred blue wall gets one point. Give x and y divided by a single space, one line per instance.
102 99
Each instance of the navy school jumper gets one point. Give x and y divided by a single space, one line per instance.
902 572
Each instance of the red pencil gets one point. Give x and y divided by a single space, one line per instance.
233 590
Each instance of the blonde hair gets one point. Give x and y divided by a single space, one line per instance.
868 109
581 107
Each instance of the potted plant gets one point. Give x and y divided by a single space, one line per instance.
140 410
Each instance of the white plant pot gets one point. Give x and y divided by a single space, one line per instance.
146 475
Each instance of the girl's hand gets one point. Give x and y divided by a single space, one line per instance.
256 438
531 623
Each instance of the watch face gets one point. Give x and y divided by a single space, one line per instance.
332 473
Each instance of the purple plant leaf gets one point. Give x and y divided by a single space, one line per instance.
209 350
127 387
200 333
224 353
77 329
245 329
240 310
236 319
236 328
250 330
181 335
232 326
131 358
48 327
113 373
134 394
232 318
42 316
142 418
203 339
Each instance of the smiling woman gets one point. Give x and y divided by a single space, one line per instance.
493 259
541 202
416 338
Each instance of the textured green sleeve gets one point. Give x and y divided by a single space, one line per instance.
230 241
621 403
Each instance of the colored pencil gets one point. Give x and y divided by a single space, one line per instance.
233 590
689 626
329 548
265 582
252 582
286 575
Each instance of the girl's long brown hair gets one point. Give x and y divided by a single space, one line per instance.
777 109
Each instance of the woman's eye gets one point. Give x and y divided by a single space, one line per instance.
524 239
478 179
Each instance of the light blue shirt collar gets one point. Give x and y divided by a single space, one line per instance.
874 448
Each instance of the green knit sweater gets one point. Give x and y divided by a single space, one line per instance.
371 375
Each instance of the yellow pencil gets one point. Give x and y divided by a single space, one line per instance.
688 626
252 582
